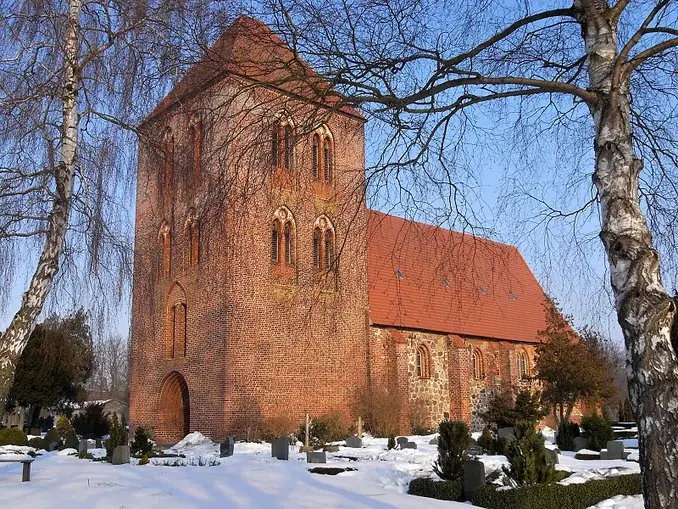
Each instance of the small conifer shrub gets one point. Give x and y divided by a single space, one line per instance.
453 440
527 457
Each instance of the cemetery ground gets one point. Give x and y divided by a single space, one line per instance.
251 478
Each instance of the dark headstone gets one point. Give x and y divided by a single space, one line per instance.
331 448
408 445
402 440
474 477
53 446
98 443
615 450
589 455
433 441
354 442
82 446
281 448
580 443
226 447
552 457
474 450
120 455
316 457
506 433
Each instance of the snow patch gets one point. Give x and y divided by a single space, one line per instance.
192 440
621 502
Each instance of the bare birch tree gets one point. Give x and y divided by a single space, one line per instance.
605 74
76 77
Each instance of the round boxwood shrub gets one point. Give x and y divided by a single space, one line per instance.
38 443
13 436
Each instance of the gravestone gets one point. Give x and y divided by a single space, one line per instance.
120 455
402 440
98 444
474 477
506 433
408 445
82 446
316 457
52 446
226 447
585 454
354 442
474 450
552 457
281 448
615 450
433 441
580 443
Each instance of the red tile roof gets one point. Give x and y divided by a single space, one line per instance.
250 49
424 277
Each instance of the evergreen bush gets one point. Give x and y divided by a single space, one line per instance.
453 440
52 436
567 432
13 436
91 422
63 426
527 457
597 432
118 435
142 445
71 441
487 441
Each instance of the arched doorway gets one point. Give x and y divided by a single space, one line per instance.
175 409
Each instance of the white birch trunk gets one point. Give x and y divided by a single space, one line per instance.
14 339
645 311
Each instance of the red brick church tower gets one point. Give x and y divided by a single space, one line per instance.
250 277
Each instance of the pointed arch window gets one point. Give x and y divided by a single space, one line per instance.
478 370
196 149
329 249
275 241
287 133
193 239
327 160
288 243
283 237
176 329
167 168
317 235
423 362
275 146
165 239
523 366
315 149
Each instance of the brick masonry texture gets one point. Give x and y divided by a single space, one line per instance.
222 338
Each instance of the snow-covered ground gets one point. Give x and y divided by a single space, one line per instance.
251 478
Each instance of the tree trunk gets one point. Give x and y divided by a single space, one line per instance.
14 339
645 311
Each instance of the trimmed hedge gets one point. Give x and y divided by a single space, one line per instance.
442 490
557 496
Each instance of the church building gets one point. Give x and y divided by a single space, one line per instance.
264 288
